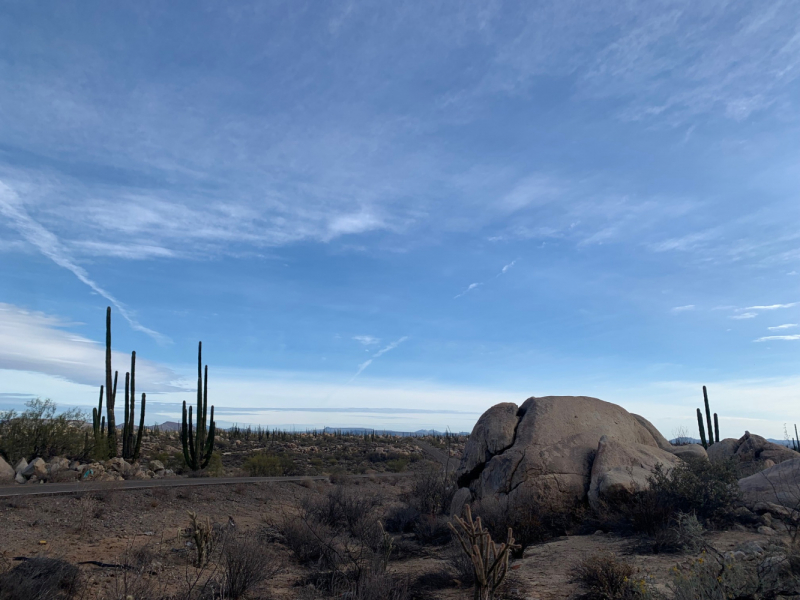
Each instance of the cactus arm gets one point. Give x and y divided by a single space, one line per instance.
131 417
702 429
708 417
209 449
185 436
138 447
716 429
126 422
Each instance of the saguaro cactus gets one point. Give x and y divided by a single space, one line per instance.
131 445
198 446
702 429
489 562
111 392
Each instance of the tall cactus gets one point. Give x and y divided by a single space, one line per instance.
198 446
111 392
132 444
96 423
702 429
708 418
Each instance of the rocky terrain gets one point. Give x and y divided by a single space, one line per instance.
600 504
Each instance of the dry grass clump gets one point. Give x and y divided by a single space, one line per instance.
40 579
605 576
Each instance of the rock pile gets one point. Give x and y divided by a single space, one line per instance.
62 470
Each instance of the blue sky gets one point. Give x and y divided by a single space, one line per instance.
394 215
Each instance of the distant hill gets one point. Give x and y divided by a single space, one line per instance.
173 426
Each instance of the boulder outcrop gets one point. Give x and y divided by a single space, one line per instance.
779 484
546 449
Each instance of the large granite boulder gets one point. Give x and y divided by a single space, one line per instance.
751 449
779 484
545 449
621 469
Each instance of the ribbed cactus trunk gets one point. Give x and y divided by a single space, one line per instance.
111 391
702 429
716 429
198 445
708 417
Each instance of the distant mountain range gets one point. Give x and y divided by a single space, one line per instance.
787 443
173 426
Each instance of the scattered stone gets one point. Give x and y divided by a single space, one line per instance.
20 479
764 530
36 467
21 465
7 472
750 548
155 465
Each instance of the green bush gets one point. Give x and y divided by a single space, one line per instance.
268 465
397 465
711 577
39 431
214 468
706 489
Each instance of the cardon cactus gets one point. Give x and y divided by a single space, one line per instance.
132 444
713 432
198 445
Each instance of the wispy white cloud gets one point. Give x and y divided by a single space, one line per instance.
784 326
778 337
507 267
470 287
41 343
50 246
366 340
680 309
377 355
747 315
772 306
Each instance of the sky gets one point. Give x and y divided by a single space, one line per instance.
397 214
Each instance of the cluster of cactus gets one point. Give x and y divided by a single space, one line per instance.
489 562
796 440
198 445
105 431
713 435
131 441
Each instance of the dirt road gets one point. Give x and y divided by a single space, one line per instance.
46 489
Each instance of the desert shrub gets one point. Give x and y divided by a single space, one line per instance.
533 520
709 578
373 586
432 529
268 465
310 542
397 465
401 519
40 579
683 534
40 431
432 491
605 576
460 563
342 507
706 489
245 563
215 468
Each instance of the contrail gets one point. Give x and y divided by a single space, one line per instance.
378 354
49 245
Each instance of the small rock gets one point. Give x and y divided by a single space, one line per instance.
764 530
750 548
21 465
19 478
36 467
766 519
155 465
